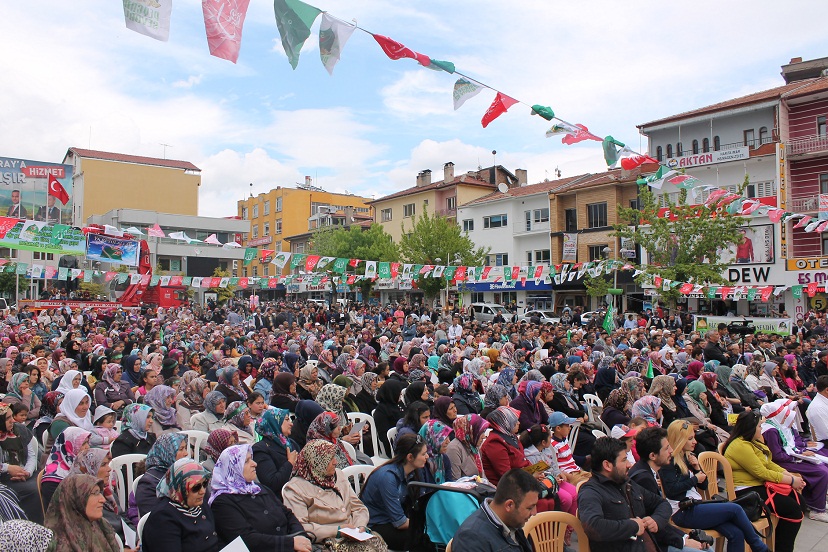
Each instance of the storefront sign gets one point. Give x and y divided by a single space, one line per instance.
781 326
256 242
709 158
509 286
808 263
749 275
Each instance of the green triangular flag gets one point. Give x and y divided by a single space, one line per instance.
234 281
711 292
797 291
649 374
58 231
417 269
249 255
298 261
384 270
751 293
543 111
449 272
294 20
446 66
610 151
340 265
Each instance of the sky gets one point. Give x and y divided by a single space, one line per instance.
75 76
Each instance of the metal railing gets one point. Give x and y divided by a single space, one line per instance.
805 204
810 144
447 212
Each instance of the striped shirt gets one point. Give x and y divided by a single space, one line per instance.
565 459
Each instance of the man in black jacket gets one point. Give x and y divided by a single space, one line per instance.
712 351
654 451
619 514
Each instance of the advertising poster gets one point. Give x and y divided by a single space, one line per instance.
33 236
24 190
570 248
757 246
112 250
780 326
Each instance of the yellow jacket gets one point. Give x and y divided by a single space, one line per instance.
751 463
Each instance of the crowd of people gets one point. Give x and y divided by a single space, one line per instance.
452 399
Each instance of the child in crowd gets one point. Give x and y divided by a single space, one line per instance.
20 413
561 425
105 432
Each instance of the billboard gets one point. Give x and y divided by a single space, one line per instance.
112 250
33 236
757 246
780 326
23 190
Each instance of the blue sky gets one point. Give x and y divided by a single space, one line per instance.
73 75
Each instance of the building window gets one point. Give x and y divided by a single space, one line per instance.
529 257
823 183
822 126
500 259
659 153
543 256
763 136
266 229
695 147
478 297
299 248
278 223
468 225
541 215
597 215
266 208
669 151
717 144
451 203
40 256
761 189
266 270
495 221
385 215
408 210
571 220
278 204
634 204
255 231
279 246
705 145
679 149
750 138
255 271
596 252
256 210
244 213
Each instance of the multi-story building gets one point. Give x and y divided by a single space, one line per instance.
721 144
328 217
397 211
284 212
105 181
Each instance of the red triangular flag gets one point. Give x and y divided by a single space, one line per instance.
686 288
310 262
395 269
766 293
353 262
272 282
155 231
265 253
243 283
812 289
57 190
803 221
501 103
395 50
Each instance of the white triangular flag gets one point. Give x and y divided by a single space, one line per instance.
333 34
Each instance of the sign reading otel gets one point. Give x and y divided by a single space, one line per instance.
709 158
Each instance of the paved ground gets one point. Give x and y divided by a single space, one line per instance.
812 536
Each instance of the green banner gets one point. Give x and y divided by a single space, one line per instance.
340 265
26 235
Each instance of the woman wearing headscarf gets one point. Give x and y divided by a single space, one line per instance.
191 399
163 454
616 406
162 400
699 407
664 388
331 398
231 386
18 462
132 370
326 427
463 451
678 398
112 391
564 399
283 394
217 441
508 378
605 378
20 392
48 411
467 392
308 384
182 521
444 411
76 516
738 385
73 411
648 407
135 437
275 453
243 508
719 407
95 462
326 365
212 418
237 417
400 369
725 390
366 399
752 379
389 410
61 458
368 355
634 386
694 370
769 381
436 436
306 412
264 377
417 391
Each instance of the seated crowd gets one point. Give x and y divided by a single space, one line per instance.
609 427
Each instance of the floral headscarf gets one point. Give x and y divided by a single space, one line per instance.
219 440
664 387
493 396
226 378
66 516
194 391
163 452
507 375
228 475
326 358
467 430
330 398
446 362
367 381
182 475
647 407
436 433
503 420
618 399
322 427
135 420
48 408
109 375
313 461
507 355
270 425
267 369
157 399
234 415
64 451
342 363
634 386
212 400
369 355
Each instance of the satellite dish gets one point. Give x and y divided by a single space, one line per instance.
502 188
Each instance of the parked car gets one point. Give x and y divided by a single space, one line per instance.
540 316
587 317
485 312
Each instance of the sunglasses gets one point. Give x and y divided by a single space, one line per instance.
200 485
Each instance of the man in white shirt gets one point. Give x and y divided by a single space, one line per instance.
455 331
818 411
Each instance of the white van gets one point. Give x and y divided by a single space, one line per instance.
485 312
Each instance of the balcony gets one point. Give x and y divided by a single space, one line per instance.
449 213
526 229
811 144
808 204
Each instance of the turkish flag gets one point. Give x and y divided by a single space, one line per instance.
57 190
501 103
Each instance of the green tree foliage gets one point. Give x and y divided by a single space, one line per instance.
7 284
684 243
433 237
224 294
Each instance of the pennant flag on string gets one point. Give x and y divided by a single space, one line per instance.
294 20
113 231
176 280
440 65
231 245
812 225
150 18
249 255
499 106
224 282
610 146
463 90
630 159
394 50
22 267
50 272
187 281
822 226
714 196
109 276
775 215
751 293
812 288
766 293
223 21
311 262
134 231
58 232
803 221
450 272
133 278
264 254
371 269
297 260
543 111
340 265
165 280
324 262
122 277
353 263
179 236
154 281
281 259
333 34
6 224
685 289
395 269
572 133
749 206
155 231
656 180
384 270
37 271
212 239
243 283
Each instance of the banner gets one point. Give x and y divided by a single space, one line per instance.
757 246
223 21
38 237
24 186
149 17
112 250
333 34
823 206
780 326
570 248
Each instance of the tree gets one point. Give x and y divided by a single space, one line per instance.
432 237
683 243
7 284
226 293
373 244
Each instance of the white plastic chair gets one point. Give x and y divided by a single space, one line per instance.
598 433
126 461
573 436
135 484
120 543
140 528
391 435
592 401
195 441
349 448
357 475
118 426
356 417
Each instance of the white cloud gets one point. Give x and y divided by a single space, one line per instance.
191 81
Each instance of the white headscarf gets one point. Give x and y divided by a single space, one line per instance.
66 381
781 415
71 400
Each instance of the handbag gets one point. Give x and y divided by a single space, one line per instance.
783 489
752 504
